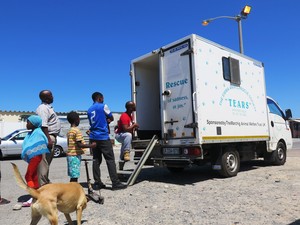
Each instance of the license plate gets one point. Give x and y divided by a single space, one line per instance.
171 151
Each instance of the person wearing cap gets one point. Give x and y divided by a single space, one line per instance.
34 146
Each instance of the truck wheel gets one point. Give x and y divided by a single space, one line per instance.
279 155
230 163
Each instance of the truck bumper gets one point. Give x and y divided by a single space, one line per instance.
171 162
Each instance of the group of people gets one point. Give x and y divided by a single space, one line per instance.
99 133
38 145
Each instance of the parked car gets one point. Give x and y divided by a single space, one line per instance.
11 145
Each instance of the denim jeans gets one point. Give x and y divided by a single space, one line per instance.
125 139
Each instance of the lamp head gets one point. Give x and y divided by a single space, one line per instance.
205 22
246 11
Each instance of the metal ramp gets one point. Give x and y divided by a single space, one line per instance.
134 174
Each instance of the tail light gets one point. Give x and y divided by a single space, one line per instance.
195 151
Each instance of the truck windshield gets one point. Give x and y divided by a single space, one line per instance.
273 107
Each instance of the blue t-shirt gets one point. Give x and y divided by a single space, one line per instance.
97 115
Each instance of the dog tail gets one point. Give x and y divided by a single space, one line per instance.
20 181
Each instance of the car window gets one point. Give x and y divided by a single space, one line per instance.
20 136
9 136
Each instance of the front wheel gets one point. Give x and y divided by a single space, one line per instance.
278 157
57 151
230 163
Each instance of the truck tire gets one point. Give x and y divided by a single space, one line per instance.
278 157
230 163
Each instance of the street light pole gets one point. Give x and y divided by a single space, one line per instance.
240 35
243 15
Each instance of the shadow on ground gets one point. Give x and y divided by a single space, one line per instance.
297 222
189 175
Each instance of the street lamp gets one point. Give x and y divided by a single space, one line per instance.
243 15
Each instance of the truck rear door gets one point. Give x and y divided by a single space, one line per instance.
177 89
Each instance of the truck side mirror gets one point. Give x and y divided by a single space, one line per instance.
288 114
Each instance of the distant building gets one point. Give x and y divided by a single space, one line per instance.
12 120
295 127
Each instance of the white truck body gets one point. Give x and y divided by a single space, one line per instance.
198 96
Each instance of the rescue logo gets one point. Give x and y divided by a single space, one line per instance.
176 83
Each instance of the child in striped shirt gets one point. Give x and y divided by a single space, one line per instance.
76 146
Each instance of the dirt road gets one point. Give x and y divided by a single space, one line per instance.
259 194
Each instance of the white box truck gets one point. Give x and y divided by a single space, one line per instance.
206 103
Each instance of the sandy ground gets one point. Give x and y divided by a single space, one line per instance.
259 194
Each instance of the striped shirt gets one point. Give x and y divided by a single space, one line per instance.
74 135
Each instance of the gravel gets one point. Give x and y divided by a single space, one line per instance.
259 194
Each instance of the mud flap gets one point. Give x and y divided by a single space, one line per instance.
216 159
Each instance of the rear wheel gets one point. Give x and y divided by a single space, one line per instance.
230 163
57 151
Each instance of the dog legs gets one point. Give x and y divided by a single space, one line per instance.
35 216
53 219
50 211
79 215
68 217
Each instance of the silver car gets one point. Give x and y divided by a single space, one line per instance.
11 145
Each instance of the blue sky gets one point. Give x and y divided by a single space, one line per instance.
76 47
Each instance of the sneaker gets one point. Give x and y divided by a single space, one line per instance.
18 206
127 156
98 186
118 186
26 204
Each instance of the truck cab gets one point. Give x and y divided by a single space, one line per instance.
280 132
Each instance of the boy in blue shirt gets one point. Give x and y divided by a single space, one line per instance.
99 117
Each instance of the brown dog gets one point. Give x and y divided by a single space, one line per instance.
67 198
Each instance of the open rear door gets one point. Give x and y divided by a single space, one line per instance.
177 89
